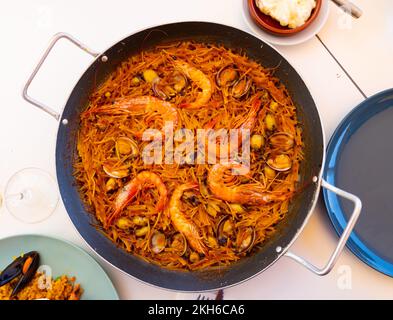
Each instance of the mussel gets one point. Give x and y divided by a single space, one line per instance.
241 87
282 141
227 76
279 162
245 239
157 242
23 267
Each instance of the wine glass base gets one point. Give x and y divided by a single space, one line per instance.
31 195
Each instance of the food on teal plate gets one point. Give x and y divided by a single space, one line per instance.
21 280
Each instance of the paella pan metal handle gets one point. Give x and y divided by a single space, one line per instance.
54 40
344 236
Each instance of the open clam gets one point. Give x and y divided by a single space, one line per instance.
245 239
179 244
241 87
116 173
179 81
225 229
126 146
282 141
169 87
227 76
159 89
157 242
280 162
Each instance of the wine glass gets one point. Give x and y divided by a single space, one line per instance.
31 195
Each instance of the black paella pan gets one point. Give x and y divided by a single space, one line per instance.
301 206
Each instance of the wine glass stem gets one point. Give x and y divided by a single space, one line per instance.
17 196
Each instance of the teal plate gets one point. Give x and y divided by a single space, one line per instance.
64 258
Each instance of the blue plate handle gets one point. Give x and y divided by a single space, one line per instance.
54 40
344 236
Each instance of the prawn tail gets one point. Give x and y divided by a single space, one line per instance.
161 204
198 245
188 105
121 202
109 220
265 198
194 238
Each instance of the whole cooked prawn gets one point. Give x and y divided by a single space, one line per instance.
183 224
200 79
140 105
142 180
252 194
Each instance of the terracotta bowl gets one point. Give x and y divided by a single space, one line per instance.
273 26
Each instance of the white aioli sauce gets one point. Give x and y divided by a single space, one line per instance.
291 13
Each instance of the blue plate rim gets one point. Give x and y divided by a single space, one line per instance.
82 251
335 213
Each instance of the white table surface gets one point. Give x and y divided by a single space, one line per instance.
364 48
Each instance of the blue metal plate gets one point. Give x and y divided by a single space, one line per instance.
360 160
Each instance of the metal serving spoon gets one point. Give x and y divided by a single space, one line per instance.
349 7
